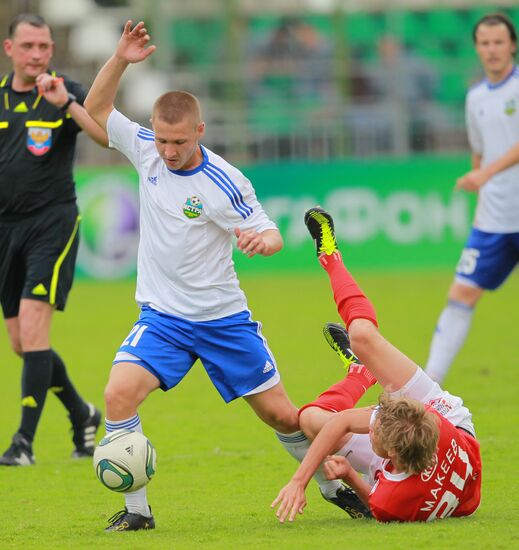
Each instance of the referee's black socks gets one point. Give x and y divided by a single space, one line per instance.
62 386
36 377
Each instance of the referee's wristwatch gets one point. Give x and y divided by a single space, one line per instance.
71 99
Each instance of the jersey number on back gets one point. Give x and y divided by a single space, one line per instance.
449 501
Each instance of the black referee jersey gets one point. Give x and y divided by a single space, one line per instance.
37 147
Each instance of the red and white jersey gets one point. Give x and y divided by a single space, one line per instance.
451 487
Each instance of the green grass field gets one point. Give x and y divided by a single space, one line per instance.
218 467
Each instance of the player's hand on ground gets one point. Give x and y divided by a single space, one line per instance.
472 181
290 501
52 89
134 45
250 242
337 467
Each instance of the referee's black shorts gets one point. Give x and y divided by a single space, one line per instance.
38 256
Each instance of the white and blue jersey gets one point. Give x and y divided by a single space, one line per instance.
492 116
192 306
492 249
187 222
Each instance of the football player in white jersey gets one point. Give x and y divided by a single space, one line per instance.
192 204
492 249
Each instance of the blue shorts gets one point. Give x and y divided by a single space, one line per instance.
232 350
488 259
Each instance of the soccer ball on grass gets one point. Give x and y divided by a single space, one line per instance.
125 461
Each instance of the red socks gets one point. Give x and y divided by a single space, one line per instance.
351 304
346 393
351 301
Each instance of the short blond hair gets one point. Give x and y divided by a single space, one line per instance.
409 430
173 107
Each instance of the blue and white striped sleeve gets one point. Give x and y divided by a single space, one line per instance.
239 204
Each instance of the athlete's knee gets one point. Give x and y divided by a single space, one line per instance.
363 334
283 420
465 294
27 331
122 400
32 336
309 423
34 321
16 344
13 330
17 348
128 386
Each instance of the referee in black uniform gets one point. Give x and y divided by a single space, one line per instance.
40 115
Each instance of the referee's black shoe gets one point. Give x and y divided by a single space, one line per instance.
19 453
320 226
127 521
346 499
84 434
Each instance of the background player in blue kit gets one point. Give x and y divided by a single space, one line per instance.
192 204
41 114
492 249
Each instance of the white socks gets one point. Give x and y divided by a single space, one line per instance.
451 332
297 445
136 501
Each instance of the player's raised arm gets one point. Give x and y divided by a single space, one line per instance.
291 499
133 47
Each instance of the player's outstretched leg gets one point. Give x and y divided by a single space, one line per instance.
126 521
388 364
351 301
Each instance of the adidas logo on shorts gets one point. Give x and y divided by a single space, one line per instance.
268 367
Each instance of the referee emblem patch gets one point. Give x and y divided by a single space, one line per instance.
39 140
193 207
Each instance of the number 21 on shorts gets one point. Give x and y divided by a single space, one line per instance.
135 335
